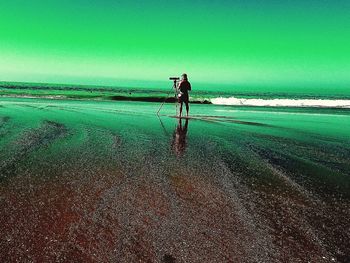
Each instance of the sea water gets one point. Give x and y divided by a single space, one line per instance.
262 96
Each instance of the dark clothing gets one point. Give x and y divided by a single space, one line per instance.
184 87
183 98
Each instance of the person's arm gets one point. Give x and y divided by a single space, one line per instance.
189 86
179 86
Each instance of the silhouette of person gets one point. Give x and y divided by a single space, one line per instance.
184 87
179 138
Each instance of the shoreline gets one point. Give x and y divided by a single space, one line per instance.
167 101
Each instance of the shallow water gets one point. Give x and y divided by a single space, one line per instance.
93 181
219 94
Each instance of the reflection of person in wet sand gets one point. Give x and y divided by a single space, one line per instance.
179 138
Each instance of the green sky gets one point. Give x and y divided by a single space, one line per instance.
243 42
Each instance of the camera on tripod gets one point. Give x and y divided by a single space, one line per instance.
173 88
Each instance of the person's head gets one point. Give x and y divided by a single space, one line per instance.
184 76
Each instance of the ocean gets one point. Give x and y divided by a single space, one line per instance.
317 97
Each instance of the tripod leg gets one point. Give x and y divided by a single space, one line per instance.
176 110
167 96
176 99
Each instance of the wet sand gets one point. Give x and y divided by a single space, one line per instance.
90 181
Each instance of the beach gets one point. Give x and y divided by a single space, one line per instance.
110 181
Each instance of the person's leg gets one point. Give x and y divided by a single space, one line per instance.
180 109
187 107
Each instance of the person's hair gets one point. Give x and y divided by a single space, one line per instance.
184 76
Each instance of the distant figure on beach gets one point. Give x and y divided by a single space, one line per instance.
184 87
179 139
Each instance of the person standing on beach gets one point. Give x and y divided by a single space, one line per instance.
184 87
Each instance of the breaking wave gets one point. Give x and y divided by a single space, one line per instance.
324 103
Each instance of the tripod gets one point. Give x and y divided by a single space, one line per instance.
174 87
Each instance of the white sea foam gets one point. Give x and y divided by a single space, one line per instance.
282 102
